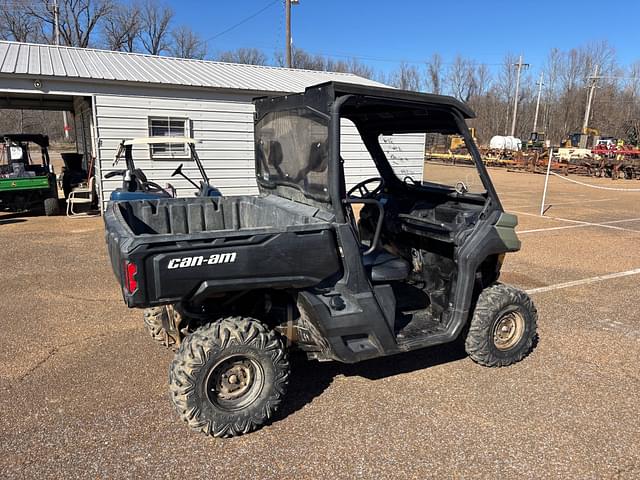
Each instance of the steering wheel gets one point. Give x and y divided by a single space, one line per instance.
178 170
364 190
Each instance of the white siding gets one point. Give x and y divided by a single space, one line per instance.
225 128
406 155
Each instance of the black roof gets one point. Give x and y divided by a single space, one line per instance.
388 93
321 95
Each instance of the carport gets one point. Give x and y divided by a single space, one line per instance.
79 107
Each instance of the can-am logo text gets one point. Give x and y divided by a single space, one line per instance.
198 261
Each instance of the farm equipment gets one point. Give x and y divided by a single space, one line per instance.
535 143
239 282
458 143
586 139
576 147
616 160
27 182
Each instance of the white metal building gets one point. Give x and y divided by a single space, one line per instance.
117 95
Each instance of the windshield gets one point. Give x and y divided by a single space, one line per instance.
20 159
292 150
447 161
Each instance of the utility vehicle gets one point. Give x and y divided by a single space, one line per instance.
27 179
238 282
136 186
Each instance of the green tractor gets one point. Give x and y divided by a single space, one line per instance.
26 181
535 143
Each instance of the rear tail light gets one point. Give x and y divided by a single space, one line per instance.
130 282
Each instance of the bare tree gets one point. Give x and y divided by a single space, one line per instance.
122 27
16 25
407 77
482 80
155 22
249 56
602 54
352 65
187 43
632 91
551 70
461 80
434 74
304 60
78 19
358 68
505 88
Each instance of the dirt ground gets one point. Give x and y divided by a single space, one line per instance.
83 390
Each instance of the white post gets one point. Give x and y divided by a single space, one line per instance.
546 182
587 110
515 102
56 35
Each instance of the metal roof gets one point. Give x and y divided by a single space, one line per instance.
52 61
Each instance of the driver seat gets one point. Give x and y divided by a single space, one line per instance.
383 267
380 265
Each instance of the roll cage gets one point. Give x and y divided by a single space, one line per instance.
374 111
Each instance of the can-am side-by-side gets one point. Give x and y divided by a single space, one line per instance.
238 282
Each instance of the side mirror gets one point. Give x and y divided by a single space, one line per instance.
177 171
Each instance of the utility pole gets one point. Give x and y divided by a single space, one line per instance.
56 22
56 36
587 110
535 119
515 101
287 7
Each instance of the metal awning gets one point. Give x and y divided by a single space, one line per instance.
29 101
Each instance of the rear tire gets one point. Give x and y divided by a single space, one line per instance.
51 207
503 328
154 321
229 377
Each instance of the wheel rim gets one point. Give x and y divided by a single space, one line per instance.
235 382
508 330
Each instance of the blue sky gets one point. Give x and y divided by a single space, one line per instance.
383 33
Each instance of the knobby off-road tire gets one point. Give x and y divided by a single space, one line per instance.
51 206
229 377
153 323
503 327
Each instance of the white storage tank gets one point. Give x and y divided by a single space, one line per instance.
497 142
501 142
514 144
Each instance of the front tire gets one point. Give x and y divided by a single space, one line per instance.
229 377
51 206
503 327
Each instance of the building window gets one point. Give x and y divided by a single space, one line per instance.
168 127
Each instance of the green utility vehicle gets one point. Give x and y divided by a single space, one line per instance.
26 181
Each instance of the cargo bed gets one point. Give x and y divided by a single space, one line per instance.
187 249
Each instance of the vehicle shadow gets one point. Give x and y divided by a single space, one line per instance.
309 379
12 218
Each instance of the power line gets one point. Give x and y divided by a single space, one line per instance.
243 21
379 59
396 60
615 77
